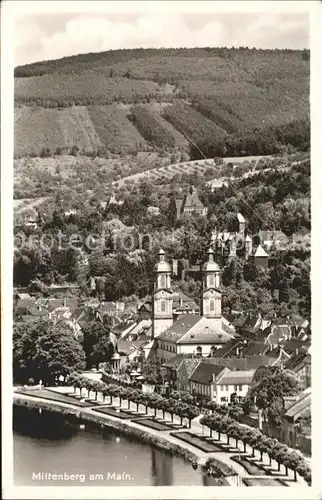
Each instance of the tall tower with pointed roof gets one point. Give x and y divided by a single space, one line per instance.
162 315
211 294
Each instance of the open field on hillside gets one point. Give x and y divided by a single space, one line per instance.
115 130
192 124
38 129
230 91
155 129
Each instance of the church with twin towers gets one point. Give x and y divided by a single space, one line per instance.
195 334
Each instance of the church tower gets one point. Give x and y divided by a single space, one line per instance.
162 316
211 294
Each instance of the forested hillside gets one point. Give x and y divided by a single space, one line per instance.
213 96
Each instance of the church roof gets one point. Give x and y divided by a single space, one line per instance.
210 265
182 326
195 329
162 266
192 200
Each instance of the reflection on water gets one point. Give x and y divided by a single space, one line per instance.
46 444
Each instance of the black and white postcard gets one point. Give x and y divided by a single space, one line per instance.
158 204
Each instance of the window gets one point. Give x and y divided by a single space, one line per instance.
235 388
212 305
226 387
240 387
211 280
224 399
163 306
163 282
199 351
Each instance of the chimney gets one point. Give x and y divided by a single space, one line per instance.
214 378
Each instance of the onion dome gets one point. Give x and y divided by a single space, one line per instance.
162 266
210 265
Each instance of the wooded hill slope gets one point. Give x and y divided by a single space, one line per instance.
113 100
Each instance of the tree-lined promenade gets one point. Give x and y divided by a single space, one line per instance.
220 421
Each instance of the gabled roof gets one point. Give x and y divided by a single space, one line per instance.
204 373
206 331
240 321
271 235
241 363
260 252
34 311
251 325
24 304
237 377
191 200
176 361
255 349
228 348
180 327
190 365
296 362
23 296
298 321
186 302
300 407
292 345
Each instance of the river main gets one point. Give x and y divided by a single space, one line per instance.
48 451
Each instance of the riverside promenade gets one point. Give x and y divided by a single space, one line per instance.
163 439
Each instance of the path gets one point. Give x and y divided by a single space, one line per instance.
199 430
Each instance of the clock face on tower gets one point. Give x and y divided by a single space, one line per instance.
162 294
211 294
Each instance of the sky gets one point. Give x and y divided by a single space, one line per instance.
46 36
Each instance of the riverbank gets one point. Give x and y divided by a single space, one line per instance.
165 442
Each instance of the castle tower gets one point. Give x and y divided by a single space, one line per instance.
162 316
211 295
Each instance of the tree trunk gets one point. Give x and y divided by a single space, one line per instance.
270 460
163 413
236 443
128 404
210 434
171 417
245 444
103 398
189 423
111 400
295 475
155 412
228 439
261 456
95 395
137 407
278 466
181 420
74 389
286 471
219 434
146 409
